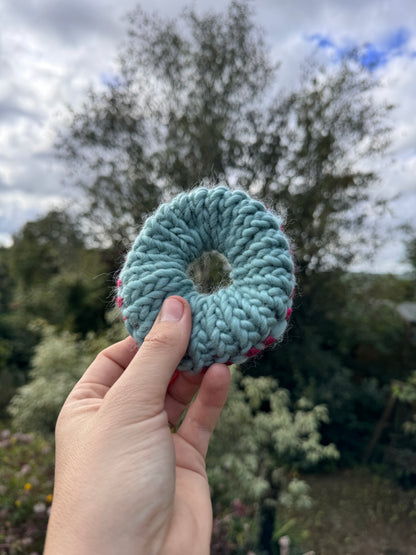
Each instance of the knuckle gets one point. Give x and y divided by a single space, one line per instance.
160 338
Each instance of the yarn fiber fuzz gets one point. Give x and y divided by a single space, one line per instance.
228 325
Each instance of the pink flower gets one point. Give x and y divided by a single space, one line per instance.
238 507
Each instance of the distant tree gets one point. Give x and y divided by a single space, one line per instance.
411 252
195 100
43 247
56 277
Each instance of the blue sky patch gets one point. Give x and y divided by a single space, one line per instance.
371 55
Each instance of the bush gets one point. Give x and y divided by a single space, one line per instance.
58 363
260 443
26 484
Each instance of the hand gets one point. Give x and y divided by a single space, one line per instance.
124 484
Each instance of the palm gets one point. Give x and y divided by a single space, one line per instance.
191 522
95 402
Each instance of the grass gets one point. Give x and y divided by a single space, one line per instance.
355 513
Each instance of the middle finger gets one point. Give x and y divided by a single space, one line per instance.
179 395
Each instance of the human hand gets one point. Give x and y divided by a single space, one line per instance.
123 482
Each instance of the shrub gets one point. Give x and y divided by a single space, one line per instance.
26 484
59 361
260 443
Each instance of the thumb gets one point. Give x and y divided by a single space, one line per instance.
140 391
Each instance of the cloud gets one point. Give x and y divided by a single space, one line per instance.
52 51
63 21
11 110
18 208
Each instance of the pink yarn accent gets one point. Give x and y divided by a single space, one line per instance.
119 283
252 352
124 318
288 313
119 301
269 340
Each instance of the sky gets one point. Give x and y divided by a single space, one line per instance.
51 52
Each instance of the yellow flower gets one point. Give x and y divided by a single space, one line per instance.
17 503
28 486
49 498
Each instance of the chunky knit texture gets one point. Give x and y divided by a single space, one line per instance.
230 324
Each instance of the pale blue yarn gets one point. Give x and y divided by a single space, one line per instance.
226 324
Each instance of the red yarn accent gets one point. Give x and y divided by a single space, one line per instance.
288 313
228 363
124 318
119 283
269 340
252 352
119 301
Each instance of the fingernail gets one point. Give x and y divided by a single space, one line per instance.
172 310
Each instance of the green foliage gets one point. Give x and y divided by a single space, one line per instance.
26 484
345 345
259 440
353 511
59 361
401 454
47 273
44 247
17 342
411 252
406 392
55 277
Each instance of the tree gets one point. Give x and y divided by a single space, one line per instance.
178 112
329 126
411 252
195 100
43 247
56 277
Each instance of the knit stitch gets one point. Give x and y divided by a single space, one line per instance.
233 323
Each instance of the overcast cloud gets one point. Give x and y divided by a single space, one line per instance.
50 52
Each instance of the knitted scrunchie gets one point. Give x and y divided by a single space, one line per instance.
230 324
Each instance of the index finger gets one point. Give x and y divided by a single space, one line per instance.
110 363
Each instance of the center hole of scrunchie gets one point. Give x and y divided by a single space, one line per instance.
210 272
